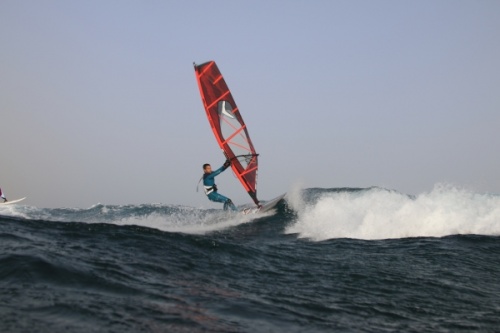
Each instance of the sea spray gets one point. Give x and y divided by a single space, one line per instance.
170 218
377 213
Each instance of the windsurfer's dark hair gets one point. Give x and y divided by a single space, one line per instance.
205 165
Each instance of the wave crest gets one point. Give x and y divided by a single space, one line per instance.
377 213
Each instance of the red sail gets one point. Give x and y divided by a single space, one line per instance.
228 126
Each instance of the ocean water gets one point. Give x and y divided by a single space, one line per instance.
346 260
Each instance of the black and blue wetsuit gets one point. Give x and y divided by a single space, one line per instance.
211 189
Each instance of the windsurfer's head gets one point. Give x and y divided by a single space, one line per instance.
207 168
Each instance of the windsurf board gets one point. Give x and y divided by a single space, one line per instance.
10 202
265 207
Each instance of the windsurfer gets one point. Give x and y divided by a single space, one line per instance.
211 188
3 196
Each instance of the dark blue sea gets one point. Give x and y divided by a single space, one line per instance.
326 260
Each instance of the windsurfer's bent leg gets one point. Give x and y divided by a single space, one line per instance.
216 197
229 204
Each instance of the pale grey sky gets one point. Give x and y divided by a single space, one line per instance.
99 102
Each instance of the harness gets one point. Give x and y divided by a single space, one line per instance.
207 189
210 189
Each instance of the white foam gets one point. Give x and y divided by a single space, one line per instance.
169 218
192 221
14 211
382 214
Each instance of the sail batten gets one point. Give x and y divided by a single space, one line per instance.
228 126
